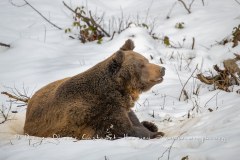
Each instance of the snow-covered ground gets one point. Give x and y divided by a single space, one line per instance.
40 54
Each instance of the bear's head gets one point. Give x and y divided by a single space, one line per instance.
133 72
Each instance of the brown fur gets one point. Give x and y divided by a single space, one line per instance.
96 101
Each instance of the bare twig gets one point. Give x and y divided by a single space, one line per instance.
193 43
237 2
167 150
164 101
17 5
5 45
211 99
25 100
113 35
190 5
178 76
45 33
185 6
120 21
97 25
147 14
42 15
16 96
170 148
183 89
170 11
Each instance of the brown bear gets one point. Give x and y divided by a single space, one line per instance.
97 102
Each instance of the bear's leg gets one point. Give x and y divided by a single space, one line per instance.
132 116
149 125
145 127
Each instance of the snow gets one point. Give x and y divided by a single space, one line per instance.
40 54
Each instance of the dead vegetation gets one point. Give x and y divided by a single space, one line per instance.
236 36
233 38
224 78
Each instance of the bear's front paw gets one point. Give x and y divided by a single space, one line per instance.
150 126
158 135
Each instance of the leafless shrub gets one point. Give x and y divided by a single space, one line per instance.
5 112
16 96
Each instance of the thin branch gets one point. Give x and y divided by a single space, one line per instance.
190 5
120 21
178 76
193 43
170 11
211 99
237 2
113 35
185 6
42 15
16 5
25 100
97 25
5 45
170 148
147 14
183 89
167 150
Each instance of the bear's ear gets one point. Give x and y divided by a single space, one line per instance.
128 45
116 62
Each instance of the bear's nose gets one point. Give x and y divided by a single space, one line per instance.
163 71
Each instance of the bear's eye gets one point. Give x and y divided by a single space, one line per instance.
142 65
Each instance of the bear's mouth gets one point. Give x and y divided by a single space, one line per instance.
159 80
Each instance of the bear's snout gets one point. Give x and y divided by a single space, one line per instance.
162 70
